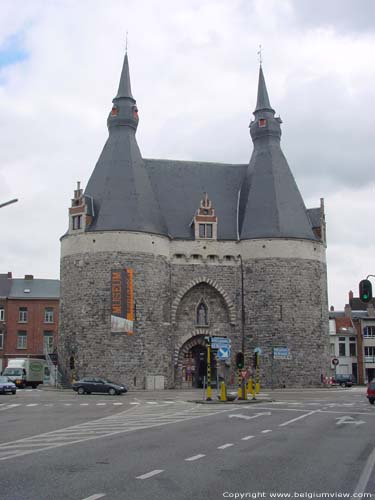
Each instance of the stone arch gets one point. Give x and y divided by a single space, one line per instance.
214 284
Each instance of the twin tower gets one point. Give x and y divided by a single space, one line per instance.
161 254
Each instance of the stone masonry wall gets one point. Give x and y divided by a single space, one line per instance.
85 318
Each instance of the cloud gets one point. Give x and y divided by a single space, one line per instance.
194 69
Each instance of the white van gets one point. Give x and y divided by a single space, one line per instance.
26 371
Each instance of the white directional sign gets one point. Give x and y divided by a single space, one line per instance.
348 420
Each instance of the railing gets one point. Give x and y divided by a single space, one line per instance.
369 359
55 377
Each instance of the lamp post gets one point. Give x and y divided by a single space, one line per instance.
8 202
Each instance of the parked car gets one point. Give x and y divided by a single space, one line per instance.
88 385
371 392
7 385
345 380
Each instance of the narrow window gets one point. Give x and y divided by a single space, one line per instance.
209 230
1 340
77 221
48 342
22 315
202 230
48 315
342 349
2 313
21 340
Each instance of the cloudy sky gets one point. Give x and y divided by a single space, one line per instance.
194 68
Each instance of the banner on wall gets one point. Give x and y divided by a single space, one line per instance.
122 301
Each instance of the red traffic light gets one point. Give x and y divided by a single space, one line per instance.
365 290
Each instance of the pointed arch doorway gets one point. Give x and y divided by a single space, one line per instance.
192 363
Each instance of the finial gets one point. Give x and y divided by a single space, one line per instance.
126 46
260 55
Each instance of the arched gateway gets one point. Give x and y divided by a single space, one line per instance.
191 366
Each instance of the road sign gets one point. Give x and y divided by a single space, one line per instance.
335 361
223 352
216 338
280 352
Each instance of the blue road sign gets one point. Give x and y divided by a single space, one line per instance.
223 353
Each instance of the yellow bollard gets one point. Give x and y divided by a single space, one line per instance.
250 386
223 392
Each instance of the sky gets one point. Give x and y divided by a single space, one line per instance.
194 71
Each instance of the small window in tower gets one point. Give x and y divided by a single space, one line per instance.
77 221
114 111
202 230
208 230
262 122
135 112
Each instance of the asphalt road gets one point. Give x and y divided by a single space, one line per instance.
56 445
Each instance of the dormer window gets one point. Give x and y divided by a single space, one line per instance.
205 221
262 122
77 221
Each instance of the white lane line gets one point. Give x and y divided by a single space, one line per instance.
266 431
33 404
298 418
151 402
150 474
118 404
223 446
67 404
135 403
365 476
101 404
246 438
83 404
95 497
195 457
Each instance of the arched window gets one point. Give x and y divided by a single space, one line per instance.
202 314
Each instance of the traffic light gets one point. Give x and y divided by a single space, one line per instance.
365 290
240 360
71 362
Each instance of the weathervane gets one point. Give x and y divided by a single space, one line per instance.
260 55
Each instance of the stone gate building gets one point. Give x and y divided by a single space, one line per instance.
160 254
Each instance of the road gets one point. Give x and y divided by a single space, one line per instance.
144 445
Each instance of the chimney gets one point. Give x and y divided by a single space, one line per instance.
351 295
9 275
29 276
348 311
371 311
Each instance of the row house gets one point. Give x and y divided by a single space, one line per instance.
29 317
352 339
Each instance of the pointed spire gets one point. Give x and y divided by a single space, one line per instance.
263 101
124 89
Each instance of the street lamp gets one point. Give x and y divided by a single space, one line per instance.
8 202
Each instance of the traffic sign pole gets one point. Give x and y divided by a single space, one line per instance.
209 394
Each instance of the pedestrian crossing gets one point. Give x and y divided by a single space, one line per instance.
133 419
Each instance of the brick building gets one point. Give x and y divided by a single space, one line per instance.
29 309
160 254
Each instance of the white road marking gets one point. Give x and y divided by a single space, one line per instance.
223 446
246 438
83 404
266 431
348 420
246 417
298 418
365 476
151 402
101 404
150 474
195 457
135 403
95 497
33 404
118 404
67 404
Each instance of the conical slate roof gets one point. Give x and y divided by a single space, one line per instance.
271 205
119 185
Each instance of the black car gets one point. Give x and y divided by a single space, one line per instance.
88 385
343 380
7 386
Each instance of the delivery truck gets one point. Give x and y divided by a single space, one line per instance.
26 371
